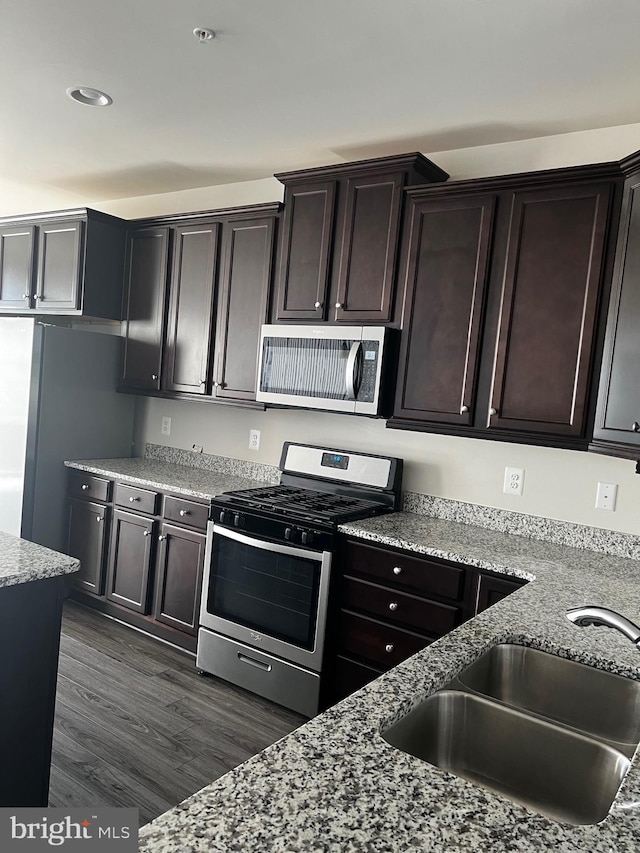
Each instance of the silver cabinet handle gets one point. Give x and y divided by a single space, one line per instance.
397 570
184 512
40 296
393 605
464 410
133 500
493 411
161 538
98 518
635 426
26 296
388 648
146 533
154 376
338 304
84 487
317 306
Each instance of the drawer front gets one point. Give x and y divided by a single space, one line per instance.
184 511
380 644
405 572
89 486
407 610
134 498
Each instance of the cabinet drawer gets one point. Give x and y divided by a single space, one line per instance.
88 486
380 644
132 497
350 676
405 572
408 610
187 512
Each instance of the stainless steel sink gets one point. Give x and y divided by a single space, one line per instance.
550 769
594 702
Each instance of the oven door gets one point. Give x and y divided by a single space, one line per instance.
270 596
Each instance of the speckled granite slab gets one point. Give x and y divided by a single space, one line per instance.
533 526
335 785
209 462
22 561
167 476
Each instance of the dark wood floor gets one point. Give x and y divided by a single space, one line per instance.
137 727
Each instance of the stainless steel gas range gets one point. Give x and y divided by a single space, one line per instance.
268 566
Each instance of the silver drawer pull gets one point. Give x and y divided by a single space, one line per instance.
146 533
388 648
98 518
393 605
154 376
184 512
161 538
253 662
84 487
133 500
397 570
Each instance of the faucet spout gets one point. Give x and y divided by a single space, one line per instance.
602 616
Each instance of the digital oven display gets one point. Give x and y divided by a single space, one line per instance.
335 460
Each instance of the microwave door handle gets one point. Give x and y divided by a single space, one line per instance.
351 370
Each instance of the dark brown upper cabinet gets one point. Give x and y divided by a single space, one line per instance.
504 282
145 308
339 246
247 262
447 274
192 290
617 425
66 263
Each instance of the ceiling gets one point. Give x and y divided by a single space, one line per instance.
292 83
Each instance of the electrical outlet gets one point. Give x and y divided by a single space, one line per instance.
606 496
197 448
254 439
513 481
166 425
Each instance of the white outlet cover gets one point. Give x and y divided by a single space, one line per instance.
606 496
254 439
513 481
166 425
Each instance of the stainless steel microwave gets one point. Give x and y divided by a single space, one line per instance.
334 368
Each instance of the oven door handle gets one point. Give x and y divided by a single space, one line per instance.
287 550
351 370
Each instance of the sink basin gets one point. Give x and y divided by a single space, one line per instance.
594 702
552 770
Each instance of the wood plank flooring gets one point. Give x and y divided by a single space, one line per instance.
136 726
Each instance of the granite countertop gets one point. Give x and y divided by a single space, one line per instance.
22 561
335 785
167 476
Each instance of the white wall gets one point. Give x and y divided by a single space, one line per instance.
558 484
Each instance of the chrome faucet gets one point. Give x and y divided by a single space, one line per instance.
602 616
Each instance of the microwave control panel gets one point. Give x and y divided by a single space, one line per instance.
370 355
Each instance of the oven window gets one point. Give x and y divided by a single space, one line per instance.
272 593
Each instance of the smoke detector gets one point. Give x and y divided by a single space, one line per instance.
204 34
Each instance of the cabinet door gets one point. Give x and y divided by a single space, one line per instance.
445 293
369 248
492 589
130 553
16 267
618 417
247 252
549 306
306 251
145 304
195 251
86 539
179 569
60 266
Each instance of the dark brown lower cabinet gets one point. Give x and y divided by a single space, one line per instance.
130 556
30 615
179 577
492 588
87 540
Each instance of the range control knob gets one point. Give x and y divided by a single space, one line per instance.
238 520
290 534
307 537
223 516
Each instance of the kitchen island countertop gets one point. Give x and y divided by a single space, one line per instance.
22 561
335 785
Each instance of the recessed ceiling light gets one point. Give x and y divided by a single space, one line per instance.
89 97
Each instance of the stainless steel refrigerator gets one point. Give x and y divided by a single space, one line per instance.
58 401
